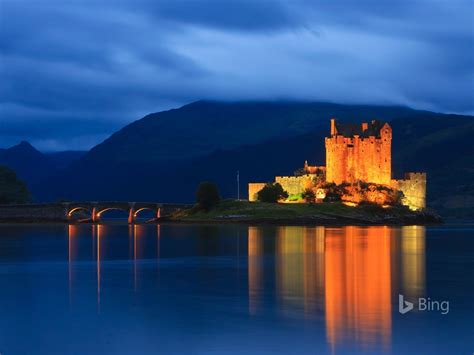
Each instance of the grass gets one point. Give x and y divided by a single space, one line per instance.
245 210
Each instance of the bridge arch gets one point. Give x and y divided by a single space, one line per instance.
141 209
101 211
98 212
72 211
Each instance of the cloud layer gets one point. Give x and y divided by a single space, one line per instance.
74 71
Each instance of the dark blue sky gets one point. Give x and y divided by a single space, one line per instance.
74 71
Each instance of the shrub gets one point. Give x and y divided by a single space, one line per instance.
207 195
309 195
272 192
12 190
334 192
295 197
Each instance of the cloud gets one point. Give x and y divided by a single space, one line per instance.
73 72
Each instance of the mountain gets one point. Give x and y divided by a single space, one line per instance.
442 147
62 160
164 155
203 127
33 166
29 164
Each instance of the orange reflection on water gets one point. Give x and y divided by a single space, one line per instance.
358 285
348 275
72 233
98 265
413 261
300 267
255 267
158 237
138 234
289 266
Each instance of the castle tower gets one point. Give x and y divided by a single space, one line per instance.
359 152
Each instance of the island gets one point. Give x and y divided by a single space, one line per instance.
327 213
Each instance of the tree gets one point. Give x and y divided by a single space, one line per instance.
334 192
272 192
12 190
309 195
207 195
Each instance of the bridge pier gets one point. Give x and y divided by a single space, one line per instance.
131 216
95 215
131 213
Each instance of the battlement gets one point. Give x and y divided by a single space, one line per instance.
415 176
373 128
293 178
313 169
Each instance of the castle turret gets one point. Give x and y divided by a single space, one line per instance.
333 127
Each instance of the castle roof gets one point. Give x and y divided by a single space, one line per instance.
363 130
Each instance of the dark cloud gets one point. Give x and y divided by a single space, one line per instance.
73 72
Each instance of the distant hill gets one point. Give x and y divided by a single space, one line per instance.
28 163
33 166
164 155
62 160
441 146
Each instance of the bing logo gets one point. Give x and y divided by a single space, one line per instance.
404 306
424 304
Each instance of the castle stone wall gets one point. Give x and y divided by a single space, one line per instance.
295 184
254 188
349 159
414 190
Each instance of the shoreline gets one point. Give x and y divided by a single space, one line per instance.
313 220
258 213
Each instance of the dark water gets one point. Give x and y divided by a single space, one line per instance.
115 289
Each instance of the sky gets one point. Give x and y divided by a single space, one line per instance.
73 72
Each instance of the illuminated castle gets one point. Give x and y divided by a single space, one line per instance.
356 153
359 153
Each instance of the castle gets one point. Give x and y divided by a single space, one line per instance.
355 153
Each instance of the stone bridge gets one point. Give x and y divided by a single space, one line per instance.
92 211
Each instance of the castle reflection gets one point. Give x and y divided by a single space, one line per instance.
358 285
413 261
348 276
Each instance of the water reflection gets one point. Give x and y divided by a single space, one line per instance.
346 275
413 261
255 267
358 285
98 236
346 278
